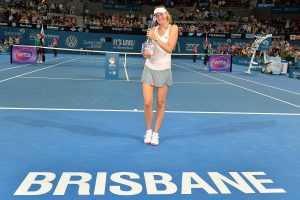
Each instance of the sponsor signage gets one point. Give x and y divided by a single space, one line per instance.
220 63
241 60
26 25
294 37
217 35
250 35
236 36
118 6
123 44
265 43
285 10
24 55
71 41
3 24
112 66
93 44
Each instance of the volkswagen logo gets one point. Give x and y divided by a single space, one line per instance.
22 30
71 41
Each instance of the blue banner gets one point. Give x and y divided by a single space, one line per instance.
112 66
114 42
285 10
241 60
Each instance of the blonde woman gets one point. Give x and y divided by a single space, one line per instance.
157 72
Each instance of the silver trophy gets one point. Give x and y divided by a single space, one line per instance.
148 45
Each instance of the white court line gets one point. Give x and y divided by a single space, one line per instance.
277 88
195 82
291 104
140 111
25 65
35 71
99 79
288 91
14 67
72 79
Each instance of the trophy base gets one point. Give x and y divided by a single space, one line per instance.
148 47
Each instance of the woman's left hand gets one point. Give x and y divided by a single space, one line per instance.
146 54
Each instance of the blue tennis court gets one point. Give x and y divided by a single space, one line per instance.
67 133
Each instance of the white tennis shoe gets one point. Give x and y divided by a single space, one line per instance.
155 139
148 137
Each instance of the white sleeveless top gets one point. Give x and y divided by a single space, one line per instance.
160 60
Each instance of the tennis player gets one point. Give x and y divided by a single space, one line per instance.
157 72
39 43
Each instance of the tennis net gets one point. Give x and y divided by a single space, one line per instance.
82 63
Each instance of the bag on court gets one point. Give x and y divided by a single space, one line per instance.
266 68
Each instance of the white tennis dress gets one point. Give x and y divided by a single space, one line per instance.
160 60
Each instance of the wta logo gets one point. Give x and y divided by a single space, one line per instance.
219 62
24 54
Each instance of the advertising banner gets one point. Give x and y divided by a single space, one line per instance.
241 60
220 63
24 55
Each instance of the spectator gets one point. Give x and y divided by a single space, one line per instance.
39 49
17 40
55 46
195 49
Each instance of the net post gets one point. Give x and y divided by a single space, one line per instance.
11 47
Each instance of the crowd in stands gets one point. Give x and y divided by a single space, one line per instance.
279 47
116 20
190 19
37 12
188 14
285 50
278 26
242 49
208 27
218 22
10 40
